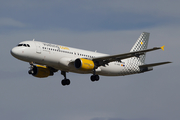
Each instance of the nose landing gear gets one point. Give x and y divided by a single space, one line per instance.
32 69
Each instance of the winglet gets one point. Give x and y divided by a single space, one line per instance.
163 47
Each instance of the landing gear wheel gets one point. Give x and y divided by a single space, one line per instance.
94 78
65 82
68 82
30 71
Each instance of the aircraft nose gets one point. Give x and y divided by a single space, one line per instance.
14 52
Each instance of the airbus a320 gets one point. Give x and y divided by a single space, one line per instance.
45 59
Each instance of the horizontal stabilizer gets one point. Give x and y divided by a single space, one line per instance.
154 64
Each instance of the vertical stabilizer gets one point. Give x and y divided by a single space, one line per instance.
141 44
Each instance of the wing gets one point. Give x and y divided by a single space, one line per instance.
102 61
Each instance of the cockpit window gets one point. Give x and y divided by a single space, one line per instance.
26 45
20 45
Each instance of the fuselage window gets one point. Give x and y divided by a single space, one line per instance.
28 45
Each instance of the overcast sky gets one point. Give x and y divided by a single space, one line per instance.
108 26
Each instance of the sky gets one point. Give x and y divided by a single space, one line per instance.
108 26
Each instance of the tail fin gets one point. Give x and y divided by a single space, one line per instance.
141 44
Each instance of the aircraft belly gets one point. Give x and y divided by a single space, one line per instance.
118 69
110 70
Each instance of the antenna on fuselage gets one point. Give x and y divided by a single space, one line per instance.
33 39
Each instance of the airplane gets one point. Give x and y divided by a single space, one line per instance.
45 59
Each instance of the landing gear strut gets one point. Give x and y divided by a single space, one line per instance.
65 81
94 77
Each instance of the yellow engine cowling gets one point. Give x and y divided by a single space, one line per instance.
84 64
40 71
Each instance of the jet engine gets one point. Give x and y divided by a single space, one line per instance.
40 71
84 64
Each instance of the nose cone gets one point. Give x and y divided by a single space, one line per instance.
15 52
19 53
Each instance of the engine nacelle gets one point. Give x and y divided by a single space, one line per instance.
40 71
84 64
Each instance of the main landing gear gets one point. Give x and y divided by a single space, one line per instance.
65 81
94 77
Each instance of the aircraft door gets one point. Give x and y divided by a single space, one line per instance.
38 47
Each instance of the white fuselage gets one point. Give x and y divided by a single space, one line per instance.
60 57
